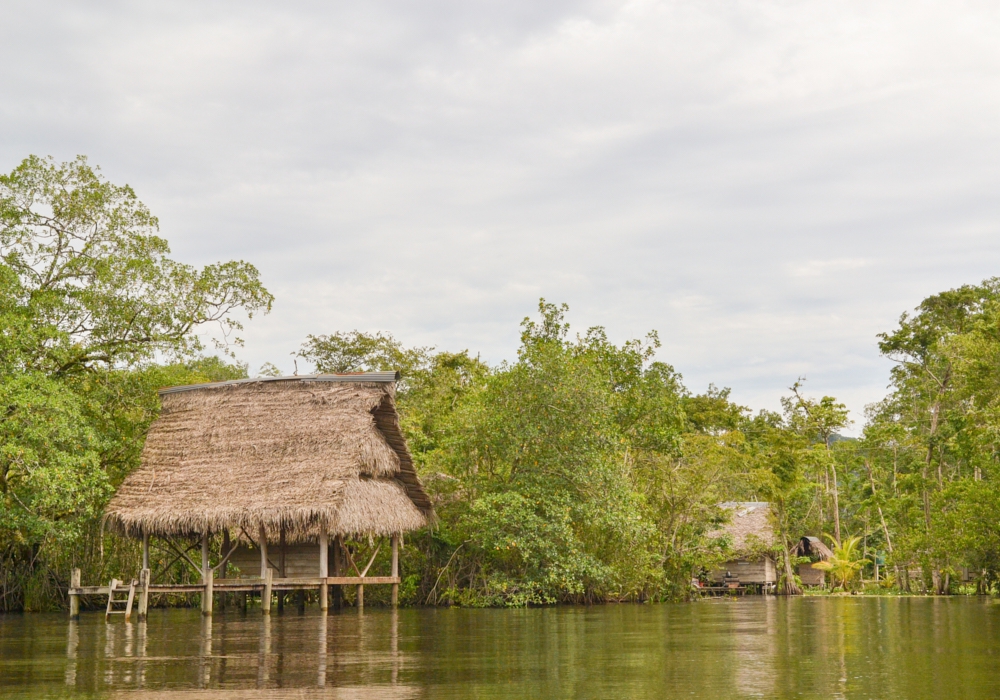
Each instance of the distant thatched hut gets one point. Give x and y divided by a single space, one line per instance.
294 461
750 534
813 548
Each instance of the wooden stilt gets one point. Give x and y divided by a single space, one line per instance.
262 543
265 572
281 568
324 569
265 600
144 594
338 570
74 599
361 597
206 599
395 569
224 597
300 601
145 550
207 577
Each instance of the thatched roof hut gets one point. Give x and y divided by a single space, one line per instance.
814 548
749 532
749 526
284 453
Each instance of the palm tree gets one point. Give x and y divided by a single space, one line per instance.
845 563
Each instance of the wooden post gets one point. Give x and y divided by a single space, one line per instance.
206 600
361 597
324 568
74 599
265 572
338 594
207 577
262 543
395 569
265 599
145 549
144 594
281 568
223 598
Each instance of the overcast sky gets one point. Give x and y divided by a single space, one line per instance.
767 184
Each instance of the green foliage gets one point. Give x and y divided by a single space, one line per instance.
542 453
89 300
846 562
931 445
83 263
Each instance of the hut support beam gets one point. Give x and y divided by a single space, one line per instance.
74 599
144 593
338 593
207 577
395 570
281 569
324 568
223 565
265 599
265 572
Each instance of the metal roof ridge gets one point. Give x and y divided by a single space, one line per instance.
348 378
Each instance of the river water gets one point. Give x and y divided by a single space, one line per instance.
745 648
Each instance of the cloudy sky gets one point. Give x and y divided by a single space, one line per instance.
767 184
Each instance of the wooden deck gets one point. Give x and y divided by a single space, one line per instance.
248 585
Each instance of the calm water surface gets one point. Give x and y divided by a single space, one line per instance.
772 648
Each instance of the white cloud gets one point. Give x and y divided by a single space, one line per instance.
819 268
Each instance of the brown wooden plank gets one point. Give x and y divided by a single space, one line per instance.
89 590
356 580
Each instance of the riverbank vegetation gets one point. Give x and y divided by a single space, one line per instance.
581 471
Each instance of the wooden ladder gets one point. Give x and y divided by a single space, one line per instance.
118 587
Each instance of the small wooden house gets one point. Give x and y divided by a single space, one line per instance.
749 532
273 475
813 548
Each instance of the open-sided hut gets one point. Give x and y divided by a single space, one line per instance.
813 548
277 473
750 533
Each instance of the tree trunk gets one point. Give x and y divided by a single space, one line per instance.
836 502
788 586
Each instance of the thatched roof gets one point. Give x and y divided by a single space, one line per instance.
749 524
286 452
814 548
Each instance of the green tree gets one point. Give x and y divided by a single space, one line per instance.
89 301
845 563
818 422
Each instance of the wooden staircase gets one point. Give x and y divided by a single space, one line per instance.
115 604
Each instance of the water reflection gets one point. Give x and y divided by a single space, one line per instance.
775 648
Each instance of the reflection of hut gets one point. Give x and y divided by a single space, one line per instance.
813 548
750 535
274 474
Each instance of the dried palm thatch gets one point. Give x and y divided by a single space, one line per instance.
814 548
284 453
749 526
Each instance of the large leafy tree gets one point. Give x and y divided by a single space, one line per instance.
84 265
90 304
932 443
